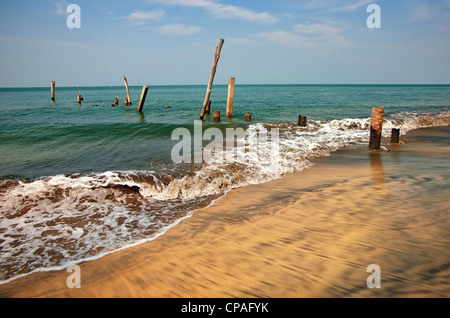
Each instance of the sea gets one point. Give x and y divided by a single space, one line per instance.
80 181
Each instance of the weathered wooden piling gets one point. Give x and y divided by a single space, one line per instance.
376 125
128 92
230 96
53 90
395 136
142 99
211 78
125 101
116 101
216 115
248 117
79 98
301 121
208 107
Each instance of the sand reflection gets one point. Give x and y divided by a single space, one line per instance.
376 164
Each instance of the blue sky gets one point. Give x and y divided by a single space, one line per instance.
165 42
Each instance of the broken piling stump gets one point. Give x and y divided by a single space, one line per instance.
395 136
211 78
116 101
142 99
248 117
216 115
230 96
79 98
53 90
125 101
301 121
376 125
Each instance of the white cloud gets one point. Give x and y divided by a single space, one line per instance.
178 29
60 6
319 29
421 13
219 10
283 38
241 41
309 36
138 17
353 6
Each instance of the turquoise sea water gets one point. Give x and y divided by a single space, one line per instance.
39 137
80 181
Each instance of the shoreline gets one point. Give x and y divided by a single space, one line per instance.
268 240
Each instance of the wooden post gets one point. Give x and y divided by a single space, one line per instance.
301 121
376 126
79 98
128 91
142 99
208 107
230 97
395 136
116 101
248 117
125 101
53 90
211 78
216 115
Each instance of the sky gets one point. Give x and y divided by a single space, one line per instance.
172 42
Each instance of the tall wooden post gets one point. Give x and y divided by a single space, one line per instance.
230 97
376 126
142 99
53 90
211 78
128 91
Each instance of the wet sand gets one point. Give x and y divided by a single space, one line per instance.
308 234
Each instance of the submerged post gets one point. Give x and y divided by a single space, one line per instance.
395 136
53 90
79 98
116 101
128 91
248 116
230 96
376 126
216 115
142 99
208 107
301 121
211 78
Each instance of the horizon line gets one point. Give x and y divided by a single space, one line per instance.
266 84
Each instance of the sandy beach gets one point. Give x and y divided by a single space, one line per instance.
308 234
